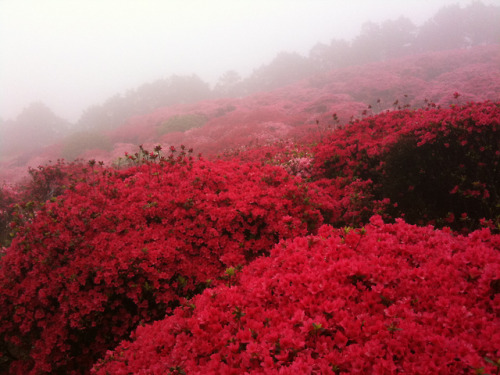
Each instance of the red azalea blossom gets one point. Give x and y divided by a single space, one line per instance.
123 249
387 299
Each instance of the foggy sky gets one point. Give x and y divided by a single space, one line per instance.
71 54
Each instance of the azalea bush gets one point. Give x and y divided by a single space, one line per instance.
8 198
383 299
120 248
20 202
448 173
295 157
434 166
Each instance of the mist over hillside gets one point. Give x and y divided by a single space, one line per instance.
74 55
37 127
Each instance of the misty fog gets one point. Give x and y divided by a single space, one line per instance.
72 67
74 54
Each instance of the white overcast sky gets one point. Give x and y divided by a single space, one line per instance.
71 54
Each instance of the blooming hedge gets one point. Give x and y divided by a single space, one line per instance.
384 299
120 248
434 166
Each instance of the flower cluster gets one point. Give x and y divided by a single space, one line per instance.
384 299
120 248
19 203
296 158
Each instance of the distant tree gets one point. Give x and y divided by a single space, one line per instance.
287 67
482 23
336 55
35 127
378 42
92 117
320 57
450 28
397 37
187 89
443 31
146 98
367 46
112 113
229 85
77 143
163 92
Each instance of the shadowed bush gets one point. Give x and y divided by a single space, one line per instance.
451 180
430 166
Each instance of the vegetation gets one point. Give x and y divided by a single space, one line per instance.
234 262
332 227
78 143
181 123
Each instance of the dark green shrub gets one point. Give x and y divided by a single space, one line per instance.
181 123
77 143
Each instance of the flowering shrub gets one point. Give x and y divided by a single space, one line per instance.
295 157
50 180
20 202
8 197
449 168
121 248
433 164
385 299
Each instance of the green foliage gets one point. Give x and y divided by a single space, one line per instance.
6 212
181 123
77 143
221 111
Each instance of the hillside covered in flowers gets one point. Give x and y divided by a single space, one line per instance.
309 106
348 223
